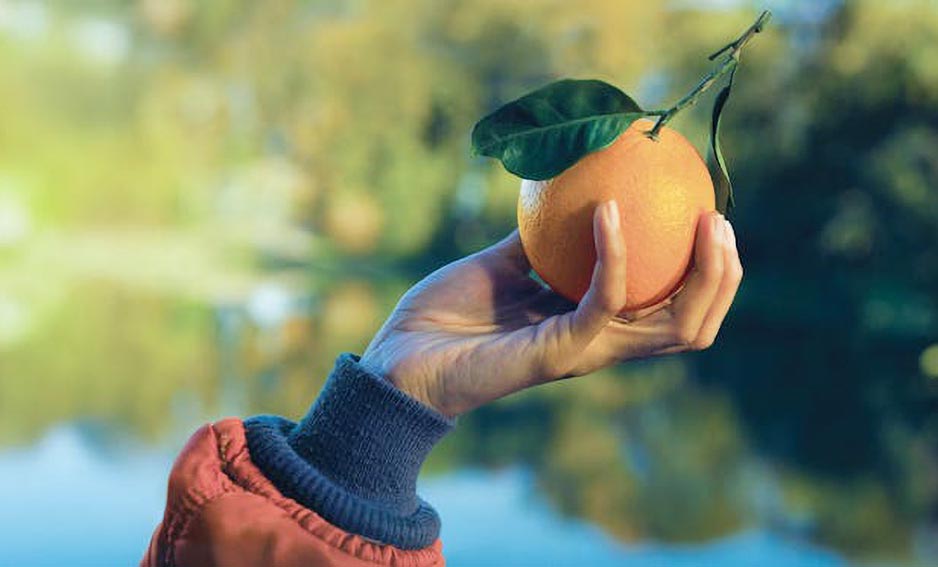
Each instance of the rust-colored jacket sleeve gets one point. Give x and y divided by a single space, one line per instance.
222 511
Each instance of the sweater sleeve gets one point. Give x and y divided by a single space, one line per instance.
354 458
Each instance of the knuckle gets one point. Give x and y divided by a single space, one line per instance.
551 367
616 254
711 272
554 370
608 303
604 300
735 271
685 335
702 342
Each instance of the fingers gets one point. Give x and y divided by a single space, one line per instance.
692 305
695 315
590 337
732 275
607 293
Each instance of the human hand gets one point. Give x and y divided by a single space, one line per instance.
480 328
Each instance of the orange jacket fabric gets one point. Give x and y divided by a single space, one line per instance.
222 511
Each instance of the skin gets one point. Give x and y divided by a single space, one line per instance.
480 328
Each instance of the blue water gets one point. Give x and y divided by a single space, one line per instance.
69 502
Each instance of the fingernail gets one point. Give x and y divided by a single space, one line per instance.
612 215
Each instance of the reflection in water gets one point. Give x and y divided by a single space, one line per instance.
105 499
500 509
70 467
641 451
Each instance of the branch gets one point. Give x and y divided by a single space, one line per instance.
727 65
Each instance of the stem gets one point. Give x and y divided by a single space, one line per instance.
725 66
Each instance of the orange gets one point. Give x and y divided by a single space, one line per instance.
661 188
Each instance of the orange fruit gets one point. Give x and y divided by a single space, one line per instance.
661 188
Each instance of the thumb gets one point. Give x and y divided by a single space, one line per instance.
607 292
565 337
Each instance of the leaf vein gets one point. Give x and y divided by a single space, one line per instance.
542 129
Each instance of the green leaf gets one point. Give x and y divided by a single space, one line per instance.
546 131
722 188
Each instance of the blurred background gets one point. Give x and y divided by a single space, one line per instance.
202 203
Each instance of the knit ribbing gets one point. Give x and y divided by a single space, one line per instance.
355 457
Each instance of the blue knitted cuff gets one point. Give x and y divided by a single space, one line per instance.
355 457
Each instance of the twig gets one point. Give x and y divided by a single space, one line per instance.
727 65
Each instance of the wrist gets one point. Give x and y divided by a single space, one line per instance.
411 380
